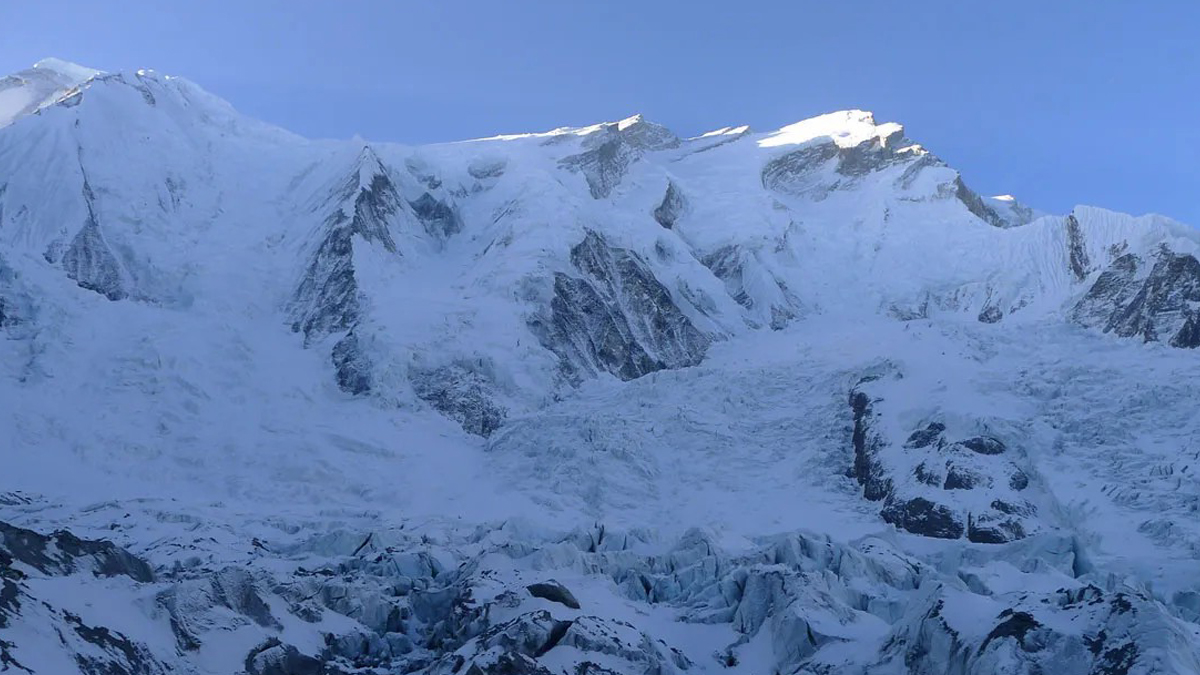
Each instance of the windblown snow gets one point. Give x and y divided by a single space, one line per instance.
589 401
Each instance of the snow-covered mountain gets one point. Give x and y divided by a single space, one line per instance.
595 400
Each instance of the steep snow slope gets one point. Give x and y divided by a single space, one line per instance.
49 81
595 399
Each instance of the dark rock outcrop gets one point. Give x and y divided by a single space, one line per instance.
1076 631
14 304
984 445
462 391
926 499
727 264
1002 523
923 438
671 208
923 517
875 154
554 592
95 649
868 469
612 149
62 553
603 166
741 270
352 365
991 314
1111 291
111 652
234 588
821 166
975 204
960 478
1188 336
275 658
1164 306
88 260
800 172
1077 259
440 219
92 265
327 299
616 317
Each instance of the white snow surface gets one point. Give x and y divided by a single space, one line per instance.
187 418
46 83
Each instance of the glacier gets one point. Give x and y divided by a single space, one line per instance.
589 401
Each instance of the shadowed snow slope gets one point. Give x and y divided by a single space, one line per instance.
594 400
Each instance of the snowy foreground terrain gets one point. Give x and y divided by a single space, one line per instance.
593 401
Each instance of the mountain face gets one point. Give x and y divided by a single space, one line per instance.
596 400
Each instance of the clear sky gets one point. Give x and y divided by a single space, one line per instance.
1056 101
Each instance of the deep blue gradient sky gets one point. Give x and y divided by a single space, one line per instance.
1056 102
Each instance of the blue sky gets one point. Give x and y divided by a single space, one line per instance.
1056 102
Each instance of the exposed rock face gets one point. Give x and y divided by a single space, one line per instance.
109 651
616 317
327 300
613 149
1110 293
373 206
1078 258
464 392
554 592
440 219
63 553
1161 306
1188 336
822 166
991 314
15 306
671 208
921 516
868 469
924 499
1102 637
800 172
352 366
89 261
751 284
234 588
276 658
95 649
1011 211
875 154
646 135
976 205
603 166
983 445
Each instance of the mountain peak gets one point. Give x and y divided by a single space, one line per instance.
637 118
846 128
67 69
47 82
647 134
